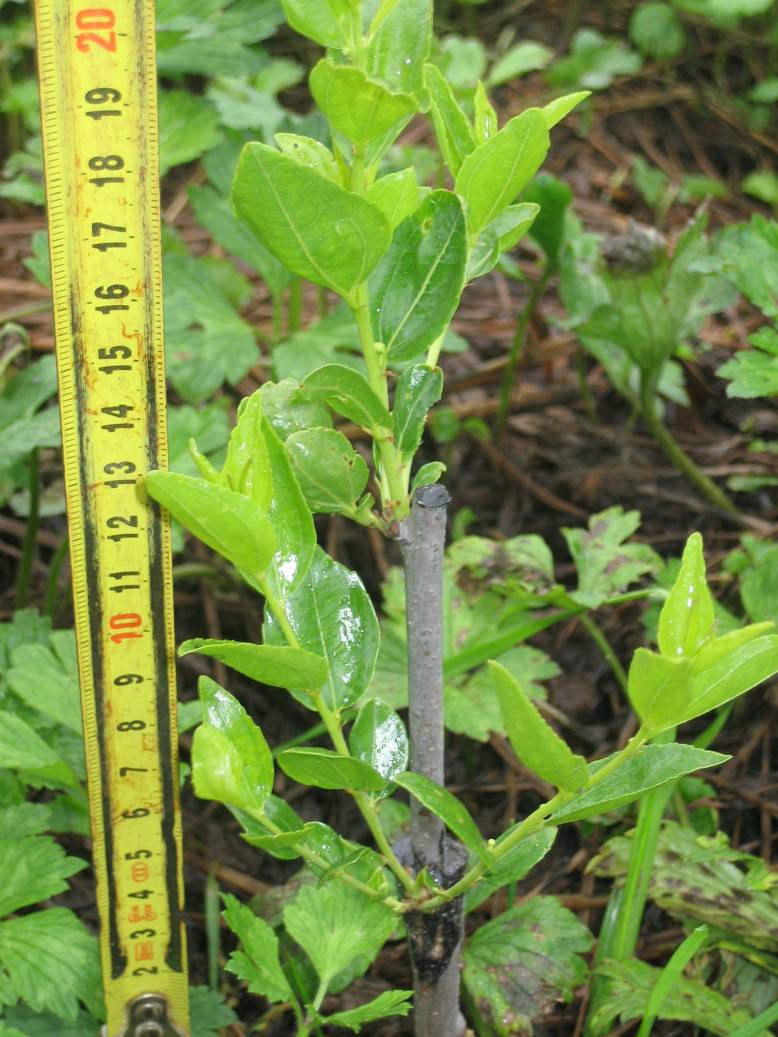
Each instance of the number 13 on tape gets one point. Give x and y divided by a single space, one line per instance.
98 97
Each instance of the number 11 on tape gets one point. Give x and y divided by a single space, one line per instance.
98 98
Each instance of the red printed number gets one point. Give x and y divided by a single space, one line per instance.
125 623
96 18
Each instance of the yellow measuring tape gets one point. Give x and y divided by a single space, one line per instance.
98 97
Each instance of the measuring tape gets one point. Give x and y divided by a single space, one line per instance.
98 99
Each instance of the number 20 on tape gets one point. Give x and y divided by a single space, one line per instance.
98 98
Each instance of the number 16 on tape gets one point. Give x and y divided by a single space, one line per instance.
98 98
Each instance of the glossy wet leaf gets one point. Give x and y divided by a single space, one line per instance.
497 171
349 394
518 966
325 769
396 195
401 45
415 289
605 563
378 738
231 761
651 767
224 520
332 616
513 867
452 812
247 465
534 741
452 127
391 1002
358 107
290 516
309 152
332 475
316 228
256 962
418 389
687 617
485 122
338 927
281 667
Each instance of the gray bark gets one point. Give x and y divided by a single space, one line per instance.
435 939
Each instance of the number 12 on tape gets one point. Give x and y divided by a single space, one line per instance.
98 97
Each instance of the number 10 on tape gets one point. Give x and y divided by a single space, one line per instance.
98 97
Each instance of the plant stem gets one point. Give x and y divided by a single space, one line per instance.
606 649
675 454
435 938
24 573
517 348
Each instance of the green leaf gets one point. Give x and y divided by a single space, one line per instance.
46 678
417 390
452 127
658 688
747 255
325 769
656 30
247 465
396 195
428 474
309 152
290 516
286 413
281 667
594 61
729 666
415 289
485 122
349 394
36 869
379 739
513 867
687 618
50 959
652 766
518 966
21 748
754 372
391 1002
209 1014
338 928
606 565
331 474
499 169
319 22
356 106
400 46
534 741
448 808
188 127
226 521
554 197
332 616
257 962
527 56
316 228
231 761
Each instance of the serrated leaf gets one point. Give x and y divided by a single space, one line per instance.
36 869
226 521
687 617
452 127
391 1002
535 743
359 107
754 372
21 748
325 769
338 928
279 666
378 738
494 173
415 289
606 565
209 1014
256 962
452 812
332 475
46 678
396 195
332 616
746 255
231 761
418 388
316 228
518 966
349 394
652 766
51 960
